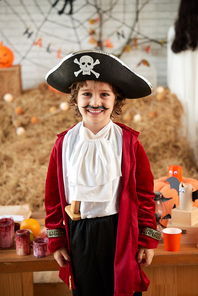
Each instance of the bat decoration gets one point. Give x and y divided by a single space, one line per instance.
166 217
159 195
174 183
194 195
165 198
64 6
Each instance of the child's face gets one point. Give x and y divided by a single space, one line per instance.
96 102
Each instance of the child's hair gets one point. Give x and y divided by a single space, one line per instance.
119 98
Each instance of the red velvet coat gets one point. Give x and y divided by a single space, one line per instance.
136 211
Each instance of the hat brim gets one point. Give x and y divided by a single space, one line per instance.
104 67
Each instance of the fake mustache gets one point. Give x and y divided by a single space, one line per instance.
95 108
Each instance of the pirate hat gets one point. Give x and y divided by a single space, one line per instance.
100 66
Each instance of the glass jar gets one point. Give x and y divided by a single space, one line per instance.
158 210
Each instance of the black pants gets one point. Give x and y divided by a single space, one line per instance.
92 255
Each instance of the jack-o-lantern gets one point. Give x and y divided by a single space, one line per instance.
171 195
6 56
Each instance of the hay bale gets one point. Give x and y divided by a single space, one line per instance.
162 134
24 159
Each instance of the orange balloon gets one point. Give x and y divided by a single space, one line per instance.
6 56
32 225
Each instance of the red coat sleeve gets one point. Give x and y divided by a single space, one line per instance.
54 217
145 194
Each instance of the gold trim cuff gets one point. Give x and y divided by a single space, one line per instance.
155 234
55 233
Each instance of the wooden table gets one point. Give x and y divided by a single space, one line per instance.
171 273
16 272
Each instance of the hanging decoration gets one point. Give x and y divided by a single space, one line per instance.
143 62
64 6
108 43
99 39
122 37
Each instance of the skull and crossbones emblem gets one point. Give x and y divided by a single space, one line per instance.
86 64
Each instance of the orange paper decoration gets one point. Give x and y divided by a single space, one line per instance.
92 40
38 42
6 56
175 171
108 43
143 62
59 54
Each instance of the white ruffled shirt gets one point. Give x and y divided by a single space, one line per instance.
92 169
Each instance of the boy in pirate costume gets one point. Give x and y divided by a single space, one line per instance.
103 166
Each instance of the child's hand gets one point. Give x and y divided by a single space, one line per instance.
145 256
62 256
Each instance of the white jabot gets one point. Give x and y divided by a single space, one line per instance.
92 168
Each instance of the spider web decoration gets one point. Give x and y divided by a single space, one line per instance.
45 31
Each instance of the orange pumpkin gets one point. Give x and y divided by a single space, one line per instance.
163 186
6 56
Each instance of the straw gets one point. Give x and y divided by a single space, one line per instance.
24 159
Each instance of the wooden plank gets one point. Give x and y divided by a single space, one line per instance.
27 283
163 281
165 290
11 262
172 281
11 284
188 255
51 289
187 280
